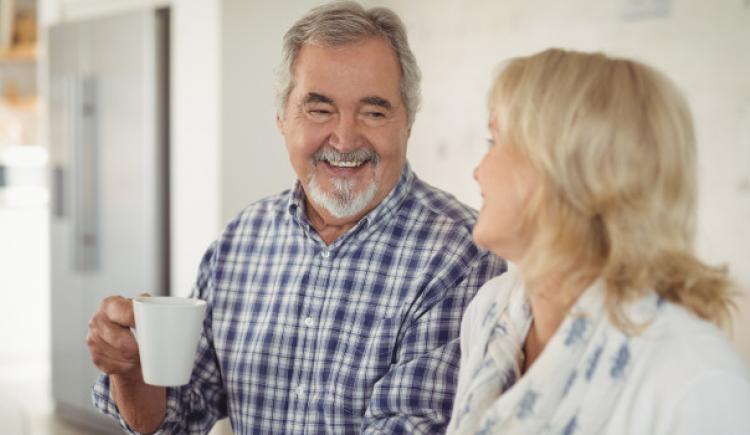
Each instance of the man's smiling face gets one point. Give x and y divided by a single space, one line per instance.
346 126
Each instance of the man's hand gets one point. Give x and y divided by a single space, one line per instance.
115 352
112 346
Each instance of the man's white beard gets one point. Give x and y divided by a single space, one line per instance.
343 202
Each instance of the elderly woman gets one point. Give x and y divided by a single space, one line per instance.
605 320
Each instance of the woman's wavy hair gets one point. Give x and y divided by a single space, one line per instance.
613 142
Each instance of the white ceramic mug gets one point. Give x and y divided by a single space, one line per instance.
167 329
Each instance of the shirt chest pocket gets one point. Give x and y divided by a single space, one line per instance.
364 356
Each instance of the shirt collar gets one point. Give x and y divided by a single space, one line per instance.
395 197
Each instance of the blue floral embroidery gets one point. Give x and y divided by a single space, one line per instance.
487 427
660 301
571 427
527 404
594 361
577 329
466 409
569 382
621 362
509 379
491 313
485 364
499 328
526 309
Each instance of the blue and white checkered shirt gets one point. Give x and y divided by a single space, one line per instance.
360 336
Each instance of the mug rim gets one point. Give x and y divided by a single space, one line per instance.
174 301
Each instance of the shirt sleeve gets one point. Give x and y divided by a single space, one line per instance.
717 403
193 408
416 395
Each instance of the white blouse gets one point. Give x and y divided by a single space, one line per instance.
681 375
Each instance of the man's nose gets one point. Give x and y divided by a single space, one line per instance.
346 135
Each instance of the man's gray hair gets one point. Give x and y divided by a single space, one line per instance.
345 22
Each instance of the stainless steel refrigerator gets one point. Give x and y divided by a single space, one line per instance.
109 148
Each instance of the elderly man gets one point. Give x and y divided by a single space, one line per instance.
334 307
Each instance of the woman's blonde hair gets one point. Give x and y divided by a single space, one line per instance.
613 142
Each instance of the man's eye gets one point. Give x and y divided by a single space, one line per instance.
319 115
376 115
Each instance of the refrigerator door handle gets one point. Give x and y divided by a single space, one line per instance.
58 191
85 158
59 142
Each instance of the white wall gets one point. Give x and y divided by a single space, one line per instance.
254 162
195 142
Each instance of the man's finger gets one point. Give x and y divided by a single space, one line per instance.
111 365
119 338
119 310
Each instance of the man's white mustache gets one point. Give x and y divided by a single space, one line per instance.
360 155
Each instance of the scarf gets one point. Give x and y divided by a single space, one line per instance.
572 386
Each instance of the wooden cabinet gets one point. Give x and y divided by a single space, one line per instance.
19 103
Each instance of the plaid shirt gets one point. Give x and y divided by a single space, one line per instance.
360 336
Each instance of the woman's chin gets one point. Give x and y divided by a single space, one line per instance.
480 237
507 249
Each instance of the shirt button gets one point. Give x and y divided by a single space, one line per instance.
300 391
309 321
325 254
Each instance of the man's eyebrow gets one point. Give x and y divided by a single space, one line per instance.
314 97
376 101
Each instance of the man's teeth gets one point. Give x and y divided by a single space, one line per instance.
344 164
